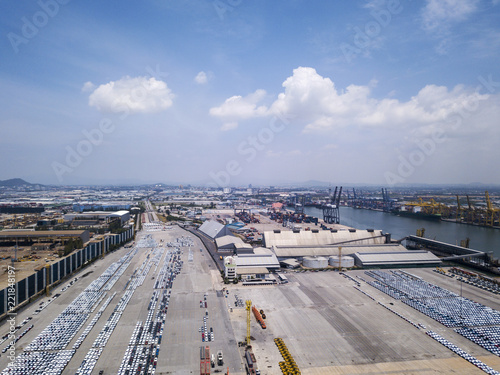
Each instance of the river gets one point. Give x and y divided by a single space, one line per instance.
481 238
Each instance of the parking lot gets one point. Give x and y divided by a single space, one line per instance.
143 309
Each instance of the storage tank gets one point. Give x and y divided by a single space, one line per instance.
315 262
346 260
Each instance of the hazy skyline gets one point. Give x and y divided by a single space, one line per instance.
237 92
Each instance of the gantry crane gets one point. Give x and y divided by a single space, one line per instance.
470 211
458 216
490 211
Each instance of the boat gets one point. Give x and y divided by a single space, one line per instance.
417 214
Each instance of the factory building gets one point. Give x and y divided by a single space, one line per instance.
299 252
363 248
410 258
232 245
110 206
255 265
213 229
97 217
28 237
261 257
317 237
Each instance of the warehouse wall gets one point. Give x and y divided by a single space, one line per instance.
35 283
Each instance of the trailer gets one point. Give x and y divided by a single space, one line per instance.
251 362
205 360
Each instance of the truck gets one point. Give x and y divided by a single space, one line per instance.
212 362
204 360
251 362
220 360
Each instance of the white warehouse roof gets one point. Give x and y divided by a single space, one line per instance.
260 258
322 237
120 213
326 251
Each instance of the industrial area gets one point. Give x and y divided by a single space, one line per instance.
193 284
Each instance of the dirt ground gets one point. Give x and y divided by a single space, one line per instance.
27 266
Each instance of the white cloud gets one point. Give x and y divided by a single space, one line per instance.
201 78
440 13
240 108
134 95
88 86
317 105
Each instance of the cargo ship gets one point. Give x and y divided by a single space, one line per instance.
416 214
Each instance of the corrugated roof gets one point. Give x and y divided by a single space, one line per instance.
261 259
400 257
303 251
41 233
322 237
243 246
120 213
227 240
251 270
213 229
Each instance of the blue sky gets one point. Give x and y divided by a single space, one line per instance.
232 92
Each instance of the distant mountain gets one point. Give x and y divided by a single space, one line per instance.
14 182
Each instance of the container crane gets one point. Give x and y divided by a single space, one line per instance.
331 211
470 211
491 212
458 217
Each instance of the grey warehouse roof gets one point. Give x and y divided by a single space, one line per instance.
396 258
214 229
227 240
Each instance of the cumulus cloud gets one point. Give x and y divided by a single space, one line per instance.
241 108
441 13
132 94
201 78
315 103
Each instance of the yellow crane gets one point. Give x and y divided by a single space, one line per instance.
248 308
459 210
470 211
490 211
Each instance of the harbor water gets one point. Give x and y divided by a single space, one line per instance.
481 238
